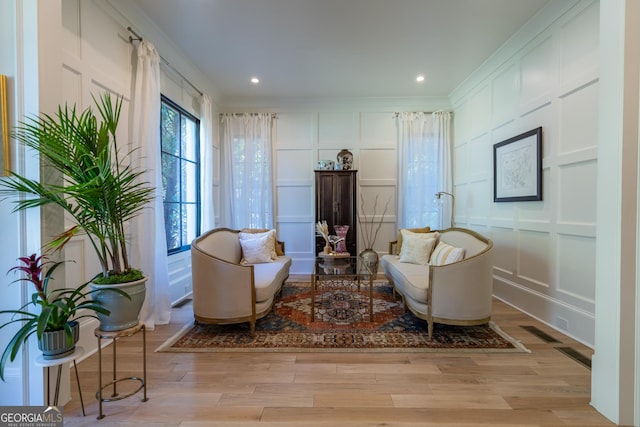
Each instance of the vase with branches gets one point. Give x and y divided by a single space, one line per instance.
370 227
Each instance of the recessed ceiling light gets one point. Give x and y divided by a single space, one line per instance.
255 80
420 78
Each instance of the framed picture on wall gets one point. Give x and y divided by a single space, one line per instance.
4 128
517 168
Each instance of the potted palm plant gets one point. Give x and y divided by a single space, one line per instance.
56 324
102 191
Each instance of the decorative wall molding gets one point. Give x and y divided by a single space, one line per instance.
527 84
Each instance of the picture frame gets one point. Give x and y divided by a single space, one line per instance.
5 158
517 168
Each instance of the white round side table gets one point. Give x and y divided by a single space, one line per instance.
49 363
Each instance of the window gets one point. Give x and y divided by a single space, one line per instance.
180 148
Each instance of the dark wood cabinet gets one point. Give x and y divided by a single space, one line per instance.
336 203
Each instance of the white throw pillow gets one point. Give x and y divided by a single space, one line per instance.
256 251
271 234
416 250
405 233
446 254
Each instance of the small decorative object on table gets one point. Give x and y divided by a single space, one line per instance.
341 231
335 241
323 229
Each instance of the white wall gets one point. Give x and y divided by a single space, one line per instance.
546 75
310 131
30 58
10 296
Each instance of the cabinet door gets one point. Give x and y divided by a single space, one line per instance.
344 207
336 204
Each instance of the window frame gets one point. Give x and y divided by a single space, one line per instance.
184 246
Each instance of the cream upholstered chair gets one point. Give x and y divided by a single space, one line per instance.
458 293
224 290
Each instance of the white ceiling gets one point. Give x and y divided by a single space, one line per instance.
338 48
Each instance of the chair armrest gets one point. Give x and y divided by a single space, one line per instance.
281 244
463 289
221 289
392 246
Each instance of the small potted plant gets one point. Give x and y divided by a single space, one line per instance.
102 191
56 324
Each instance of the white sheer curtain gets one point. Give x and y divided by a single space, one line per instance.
207 214
248 186
148 233
425 169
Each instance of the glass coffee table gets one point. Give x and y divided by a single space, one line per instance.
341 277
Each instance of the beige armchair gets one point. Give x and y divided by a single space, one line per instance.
224 290
458 293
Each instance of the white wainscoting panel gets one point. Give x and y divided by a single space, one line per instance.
378 130
295 202
505 250
477 201
480 110
580 119
534 252
480 158
377 164
504 86
538 68
337 130
579 48
577 185
294 166
295 130
576 269
180 285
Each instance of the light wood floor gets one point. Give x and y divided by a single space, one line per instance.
541 388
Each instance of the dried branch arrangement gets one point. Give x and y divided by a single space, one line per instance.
369 234
323 229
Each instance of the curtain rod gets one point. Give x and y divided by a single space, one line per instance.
396 114
273 115
139 38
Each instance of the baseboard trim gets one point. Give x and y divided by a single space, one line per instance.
581 324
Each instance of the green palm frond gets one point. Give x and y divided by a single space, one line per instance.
101 188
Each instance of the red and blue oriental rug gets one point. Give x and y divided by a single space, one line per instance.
342 324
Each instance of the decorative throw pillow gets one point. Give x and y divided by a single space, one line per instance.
277 245
446 254
416 250
413 230
406 232
270 234
256 251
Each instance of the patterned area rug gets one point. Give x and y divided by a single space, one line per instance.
341 324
